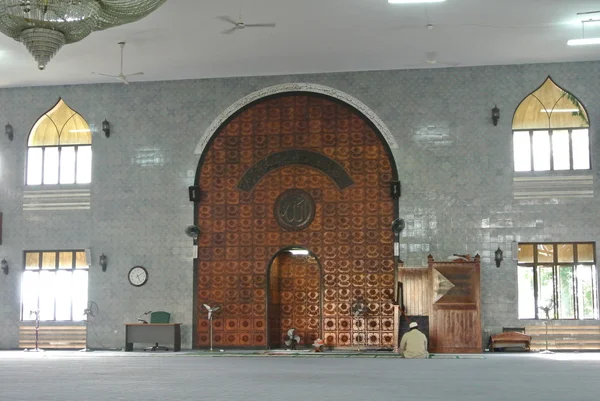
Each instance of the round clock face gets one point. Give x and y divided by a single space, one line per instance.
138 276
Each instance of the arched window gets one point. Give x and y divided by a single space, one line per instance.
551 131
59 148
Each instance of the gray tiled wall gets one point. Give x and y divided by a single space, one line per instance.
455 168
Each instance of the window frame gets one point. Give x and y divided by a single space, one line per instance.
60 147
60 127
555 265
550 131
40 269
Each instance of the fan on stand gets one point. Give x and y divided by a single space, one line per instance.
121 76
90 313
292 339
212 311
549 307
359 311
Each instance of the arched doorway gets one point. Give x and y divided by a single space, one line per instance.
295 169
294 298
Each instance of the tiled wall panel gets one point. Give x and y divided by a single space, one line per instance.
455 168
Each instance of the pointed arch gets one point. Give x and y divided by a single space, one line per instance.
61 125
550 107
551 131
59 148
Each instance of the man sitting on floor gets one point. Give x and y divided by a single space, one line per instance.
414 343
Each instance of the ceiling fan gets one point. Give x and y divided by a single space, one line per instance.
432 61
239 24
121 77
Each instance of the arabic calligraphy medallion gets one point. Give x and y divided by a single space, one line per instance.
294 210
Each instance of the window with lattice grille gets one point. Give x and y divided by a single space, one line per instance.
557 281
55 283
551 131
59 148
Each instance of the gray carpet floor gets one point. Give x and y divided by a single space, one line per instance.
104 376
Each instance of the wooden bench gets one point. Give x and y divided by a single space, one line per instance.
53 337
511 339
565 338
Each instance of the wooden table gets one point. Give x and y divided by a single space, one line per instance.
152 333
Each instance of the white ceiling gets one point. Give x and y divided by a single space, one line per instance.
182 39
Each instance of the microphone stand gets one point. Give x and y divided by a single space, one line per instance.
37 330
139 319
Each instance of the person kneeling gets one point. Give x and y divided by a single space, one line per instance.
414 343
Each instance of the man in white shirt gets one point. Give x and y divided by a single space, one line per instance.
414 343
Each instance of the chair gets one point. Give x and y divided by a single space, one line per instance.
159 317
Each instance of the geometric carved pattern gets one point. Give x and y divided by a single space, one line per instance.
441 285
296 87
454 285
294 299
349 236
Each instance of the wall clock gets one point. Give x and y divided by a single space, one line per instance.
138 276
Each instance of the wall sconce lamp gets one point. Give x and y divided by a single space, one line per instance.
495 115
498 257
106 128
4 265
8 130
103 262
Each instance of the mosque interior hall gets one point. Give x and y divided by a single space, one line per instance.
273 198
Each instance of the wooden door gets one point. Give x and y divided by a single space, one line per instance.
455 319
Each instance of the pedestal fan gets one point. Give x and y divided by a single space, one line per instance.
211 310
359 310
292 339
547 310
90 314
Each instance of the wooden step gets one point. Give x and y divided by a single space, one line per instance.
53 337
565 337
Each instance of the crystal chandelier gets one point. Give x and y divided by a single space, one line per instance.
44 26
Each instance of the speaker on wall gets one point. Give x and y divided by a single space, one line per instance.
395 189
194 193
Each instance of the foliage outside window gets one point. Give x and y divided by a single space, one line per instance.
59 148
551 131
56 284
558 277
